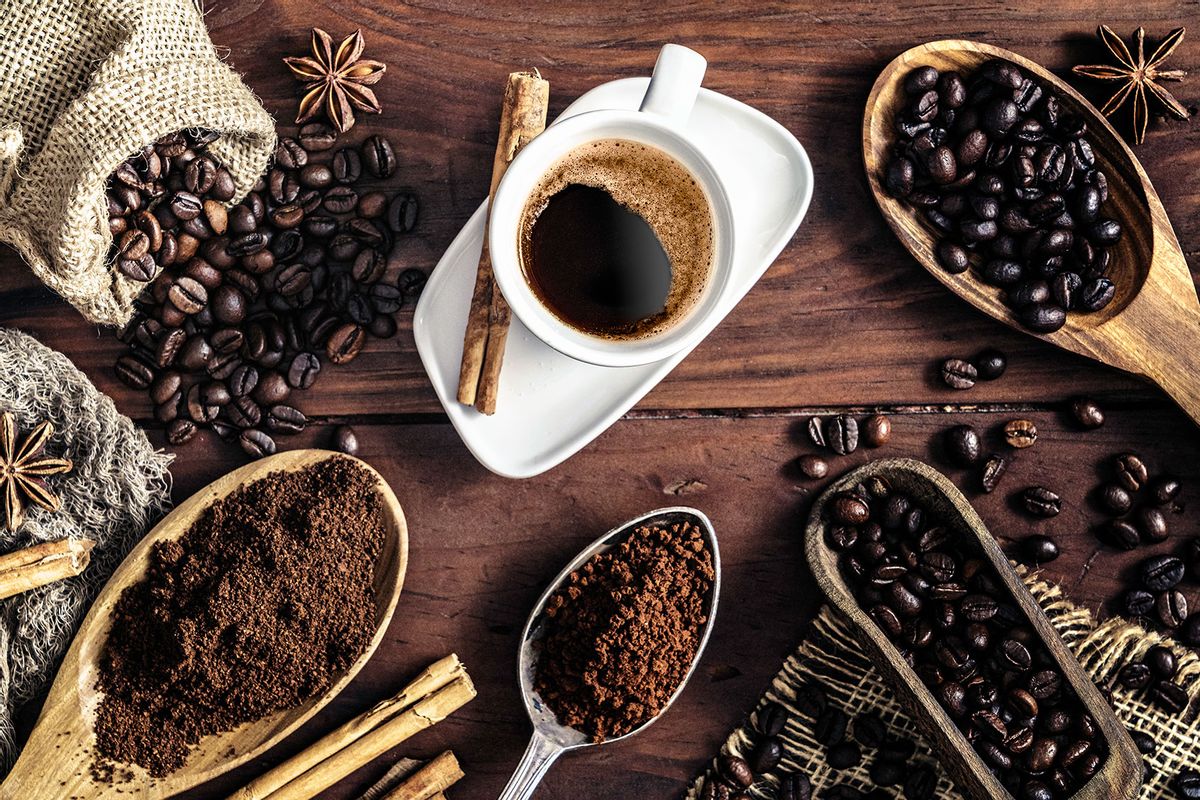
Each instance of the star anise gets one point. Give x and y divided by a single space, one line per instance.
23 470
336 81
1140 75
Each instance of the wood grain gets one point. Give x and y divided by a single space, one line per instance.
1120 776
1152 326
844 318
65 732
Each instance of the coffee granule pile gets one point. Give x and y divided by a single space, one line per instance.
261 604
623 631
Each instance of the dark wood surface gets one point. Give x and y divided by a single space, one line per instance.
844 319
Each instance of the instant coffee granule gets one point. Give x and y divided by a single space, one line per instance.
622 633
261 604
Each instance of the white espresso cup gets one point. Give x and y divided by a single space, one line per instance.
659 123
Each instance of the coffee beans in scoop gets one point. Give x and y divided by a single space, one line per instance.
1008 182
243 304
950 617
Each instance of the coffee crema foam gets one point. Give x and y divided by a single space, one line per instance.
655 186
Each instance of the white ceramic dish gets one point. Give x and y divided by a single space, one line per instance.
550 406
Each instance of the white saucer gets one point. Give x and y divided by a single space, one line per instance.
550 406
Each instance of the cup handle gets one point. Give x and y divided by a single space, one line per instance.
677 76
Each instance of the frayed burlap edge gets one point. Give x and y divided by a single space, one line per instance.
831 657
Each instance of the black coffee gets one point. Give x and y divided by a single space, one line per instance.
617 240
597 264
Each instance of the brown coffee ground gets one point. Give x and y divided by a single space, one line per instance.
622 633
261 604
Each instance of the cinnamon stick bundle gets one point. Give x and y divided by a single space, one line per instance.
42 564
522 117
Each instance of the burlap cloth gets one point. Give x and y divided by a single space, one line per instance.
118 487
831 657
84 85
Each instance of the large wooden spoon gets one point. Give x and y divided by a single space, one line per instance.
1152 326
57 760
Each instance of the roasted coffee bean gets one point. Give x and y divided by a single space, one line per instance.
1086 413
1134 676
959 374
771 719
993 470
256 444
844 755
816 431
345 440
990 364
715 789
1187 784
841 433
200 410
899 178
1131 472
1164 490
963 445
1120 534
1044 684
1115 499
952 256
1042 317
1039 549
285 419
1169 696
1138 603
830 726
271 389
188 295
1161 661
372 205
877 430
344 343
402 212
795 786
1152 524
1041 502
849 509
412 282
378 157
303 371
1016 656
316 137
1162 573
1172 608
1020 433
180 431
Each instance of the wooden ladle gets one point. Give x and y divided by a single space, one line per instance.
57 760
1152 326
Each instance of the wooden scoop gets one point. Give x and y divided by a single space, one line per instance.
1152 326
56 762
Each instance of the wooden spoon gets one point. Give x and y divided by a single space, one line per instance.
1152 326
1121 773
57 760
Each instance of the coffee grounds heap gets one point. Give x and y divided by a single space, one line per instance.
262 603
622 633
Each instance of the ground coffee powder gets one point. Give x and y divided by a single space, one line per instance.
622 632
261 604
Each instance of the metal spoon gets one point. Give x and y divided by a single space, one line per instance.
551 739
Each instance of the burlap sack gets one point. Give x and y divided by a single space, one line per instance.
831 657
118 487
84 85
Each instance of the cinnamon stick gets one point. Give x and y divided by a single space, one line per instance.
421 715
430 780
522 117
435 677
42 564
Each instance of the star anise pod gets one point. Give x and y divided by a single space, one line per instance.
23 470
336 81
1139 76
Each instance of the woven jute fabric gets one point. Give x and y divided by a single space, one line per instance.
118 487
831 657
84 85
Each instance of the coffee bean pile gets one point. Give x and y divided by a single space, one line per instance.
1009 182
242 303
1136 503
1154 676
735 775
954 622
961 374
842 435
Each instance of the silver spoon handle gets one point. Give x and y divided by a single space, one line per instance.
538 757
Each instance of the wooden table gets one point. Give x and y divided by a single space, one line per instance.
845 320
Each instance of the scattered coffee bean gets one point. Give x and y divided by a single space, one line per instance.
991 364
771 719
795 786
345 440
841 433
1131 472
1120 534
765 755
1161 573
816 431
1115 499
1020 433
1040 549
1135 676
813 467
959 374
1041 502
1187 784
993 470
1086 413
1152 524
877 430
963 445
1172 609
256 443
1164 490
1169 696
